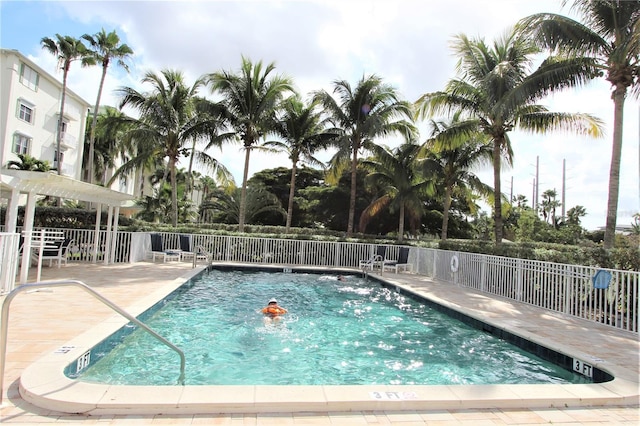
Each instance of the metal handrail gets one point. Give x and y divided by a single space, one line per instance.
199 250
4 321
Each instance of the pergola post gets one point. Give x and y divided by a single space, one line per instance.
96 234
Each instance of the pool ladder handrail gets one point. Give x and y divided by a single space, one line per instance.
199 250
4 321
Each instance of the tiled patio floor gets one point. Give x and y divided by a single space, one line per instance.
42 321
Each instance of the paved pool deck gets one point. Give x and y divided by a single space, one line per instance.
41 322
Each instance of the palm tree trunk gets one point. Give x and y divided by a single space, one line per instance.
59 135
94 123
445 213
190 185
352 198
497 202
614 170
174 191
60 123
292 187
243 192
401 223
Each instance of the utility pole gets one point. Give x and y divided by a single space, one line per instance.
564 167
537 188
511 193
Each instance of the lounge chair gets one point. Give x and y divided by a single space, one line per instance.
57 250
376 260
186 252
158 251
401 263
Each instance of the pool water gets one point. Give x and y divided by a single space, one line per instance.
354 332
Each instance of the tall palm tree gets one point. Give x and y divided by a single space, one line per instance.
372 110
105 48
610 35
167 123
451 161
67 49
107 137
303 133
396 174
252 99
549 205
497 90
225 204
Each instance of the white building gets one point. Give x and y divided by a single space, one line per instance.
29 113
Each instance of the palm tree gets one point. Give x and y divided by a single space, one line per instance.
107 137
303 134
27 162
225 204
252 99
451 160
610 36
549 205
67 49
168 122
402 187
371 110
499 94
575 213
105 47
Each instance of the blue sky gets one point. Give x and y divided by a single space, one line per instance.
406 42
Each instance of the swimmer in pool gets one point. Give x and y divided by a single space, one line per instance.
272 312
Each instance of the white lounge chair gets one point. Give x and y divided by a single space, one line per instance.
375 261
401 263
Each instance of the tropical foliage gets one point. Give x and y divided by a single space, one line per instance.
450 160
498 94
104 48
67 49
224 206
607 39
358 116
251 100
27 162
170 117
397 179
303 135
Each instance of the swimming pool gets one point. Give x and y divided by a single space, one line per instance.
43 383
356 332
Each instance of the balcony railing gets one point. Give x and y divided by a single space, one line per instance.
68 141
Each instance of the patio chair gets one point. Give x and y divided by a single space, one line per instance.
158 251
374 261
55 251
401 263
186 252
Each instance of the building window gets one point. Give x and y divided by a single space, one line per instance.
55 158
21 144
29 77
63 129
25 111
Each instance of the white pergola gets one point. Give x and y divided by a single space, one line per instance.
14 183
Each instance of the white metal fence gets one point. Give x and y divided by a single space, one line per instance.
605 296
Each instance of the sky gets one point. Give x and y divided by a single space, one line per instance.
316 42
